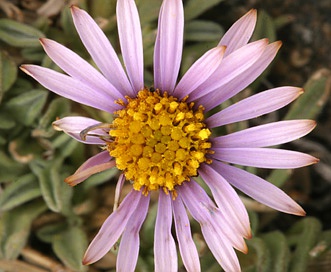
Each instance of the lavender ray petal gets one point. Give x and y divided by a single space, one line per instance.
227 200
232 67
70 88
78 68
130 35
112 228
187 248
221 249
129 247
230 88
101 51
99 158
205 212
239 33
254 106
168 45
95 164
266 135
73 125
200 71
264 157
219 244
165 256
258 188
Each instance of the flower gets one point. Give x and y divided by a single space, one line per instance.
160 138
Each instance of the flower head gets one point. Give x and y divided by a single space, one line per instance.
160 138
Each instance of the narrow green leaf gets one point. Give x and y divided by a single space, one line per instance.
47 233
8 73
18 34
254 220
102 8
150 9
33 54
55 191
65 144
265 27
20 86
303 235
19 192
6 120
70 246
3 140
9 168
279 251
262 254
58 108
279 176
199 30
100 178
15 228
194 8
317 92
27 106
283 20
68 25
149 34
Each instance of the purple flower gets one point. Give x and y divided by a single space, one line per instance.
160 138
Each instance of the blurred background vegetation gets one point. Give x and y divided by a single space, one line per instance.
45 225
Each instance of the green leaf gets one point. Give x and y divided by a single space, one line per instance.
20 86
15 228
194 8
149 34
33 54
9 168
70 246
150 10
265 27
56 193
58 108
102 8
20 191
317 92
8 73
100 178
279 251
2 140
65 144
279 176
199 30
47 233
27 106
254 221
303 235
18 34
68 25
6 120
262 254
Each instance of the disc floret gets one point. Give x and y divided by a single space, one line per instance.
158 141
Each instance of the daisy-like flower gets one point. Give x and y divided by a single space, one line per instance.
160 139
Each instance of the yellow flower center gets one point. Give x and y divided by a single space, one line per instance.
158 141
